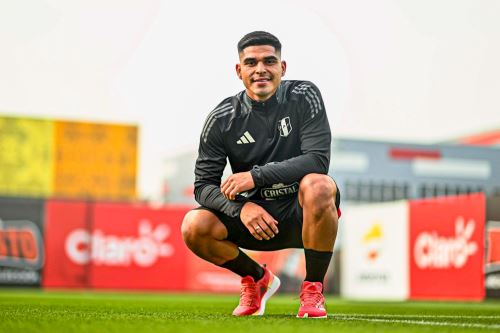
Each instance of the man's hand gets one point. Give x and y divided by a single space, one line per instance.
259 222
237 183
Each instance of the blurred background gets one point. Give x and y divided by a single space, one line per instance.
102 104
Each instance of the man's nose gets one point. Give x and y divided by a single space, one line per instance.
261 68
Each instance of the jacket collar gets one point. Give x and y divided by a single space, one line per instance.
266 105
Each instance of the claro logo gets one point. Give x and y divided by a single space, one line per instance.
434 251
143 250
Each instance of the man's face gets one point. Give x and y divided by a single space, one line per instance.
260 69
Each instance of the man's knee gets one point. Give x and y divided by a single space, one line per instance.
317 192
199 224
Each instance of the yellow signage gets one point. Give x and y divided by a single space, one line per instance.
97 161
25 157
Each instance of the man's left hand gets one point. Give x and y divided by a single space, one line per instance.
237 183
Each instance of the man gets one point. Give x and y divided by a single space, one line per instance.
277 139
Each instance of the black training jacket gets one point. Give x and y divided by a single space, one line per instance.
279 141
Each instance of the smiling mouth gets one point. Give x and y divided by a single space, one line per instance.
261 80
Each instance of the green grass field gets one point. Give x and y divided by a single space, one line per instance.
38 311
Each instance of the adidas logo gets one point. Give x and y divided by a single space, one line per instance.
245 138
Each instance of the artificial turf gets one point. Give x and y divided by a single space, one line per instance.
47 311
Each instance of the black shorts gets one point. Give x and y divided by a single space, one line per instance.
286 211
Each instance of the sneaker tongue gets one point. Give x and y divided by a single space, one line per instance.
247 279
313 286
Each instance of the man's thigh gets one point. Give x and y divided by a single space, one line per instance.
289 216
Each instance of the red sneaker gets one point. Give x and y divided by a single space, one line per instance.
254 295
312 302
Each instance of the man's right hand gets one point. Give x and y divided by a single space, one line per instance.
258 221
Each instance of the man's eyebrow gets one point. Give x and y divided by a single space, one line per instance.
248 59
271 58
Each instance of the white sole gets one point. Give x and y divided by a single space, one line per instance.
270 292
307 316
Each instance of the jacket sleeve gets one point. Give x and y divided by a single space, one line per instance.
209 167
315 139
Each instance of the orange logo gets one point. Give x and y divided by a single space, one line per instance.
372 240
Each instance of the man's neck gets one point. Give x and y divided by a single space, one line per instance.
263 104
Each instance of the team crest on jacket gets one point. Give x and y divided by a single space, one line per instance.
284 126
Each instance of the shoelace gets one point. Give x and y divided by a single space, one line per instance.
311 298
248 294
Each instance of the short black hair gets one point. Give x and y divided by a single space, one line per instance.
259 38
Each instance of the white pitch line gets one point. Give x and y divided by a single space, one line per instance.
401 315
420 322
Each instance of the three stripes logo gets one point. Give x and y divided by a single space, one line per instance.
311 97
219 112
245 138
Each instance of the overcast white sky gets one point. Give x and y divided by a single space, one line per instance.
421 71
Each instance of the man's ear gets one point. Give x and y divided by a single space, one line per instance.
283 68
238 70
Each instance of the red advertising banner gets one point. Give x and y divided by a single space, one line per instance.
137 247
447 247
114 246
493 256
65 218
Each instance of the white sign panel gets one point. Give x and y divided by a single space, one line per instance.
375 251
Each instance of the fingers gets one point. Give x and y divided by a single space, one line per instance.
256 232
229 188
266 229
225 184
273 224
237 183
224 187
259 223
232 191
